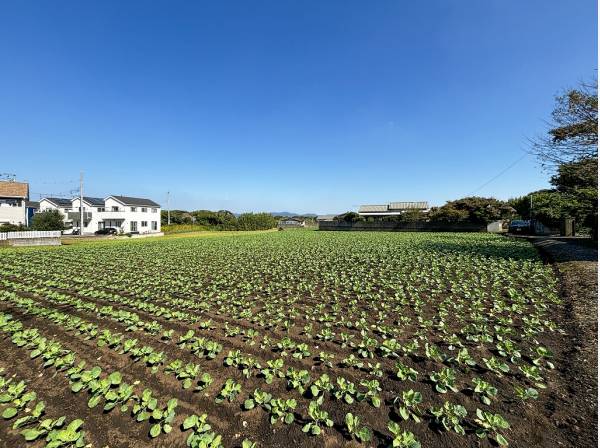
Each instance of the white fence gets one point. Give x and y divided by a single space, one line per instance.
30 234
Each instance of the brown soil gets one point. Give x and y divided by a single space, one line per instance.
576 407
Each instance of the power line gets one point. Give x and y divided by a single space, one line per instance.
498 175
59 182
56 194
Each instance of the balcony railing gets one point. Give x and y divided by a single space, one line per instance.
75 215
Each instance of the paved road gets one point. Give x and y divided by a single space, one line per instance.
564 249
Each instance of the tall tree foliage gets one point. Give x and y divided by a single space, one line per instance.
571 147
48 220
473 209
573 133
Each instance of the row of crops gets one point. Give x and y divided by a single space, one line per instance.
381 339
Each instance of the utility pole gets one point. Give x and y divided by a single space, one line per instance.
81 203
168 210
530 207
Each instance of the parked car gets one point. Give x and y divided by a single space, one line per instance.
106 231
519 226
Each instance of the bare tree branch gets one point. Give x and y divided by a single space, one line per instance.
573 131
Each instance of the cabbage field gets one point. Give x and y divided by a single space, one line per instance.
294 338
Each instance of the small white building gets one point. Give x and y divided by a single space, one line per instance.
392 209
61 204
13 198
292 222
124 213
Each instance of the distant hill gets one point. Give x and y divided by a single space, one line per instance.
288 214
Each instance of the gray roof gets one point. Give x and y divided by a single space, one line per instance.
140 202
326 217
32 204
96 202
408 205
61 202
393 207
372 208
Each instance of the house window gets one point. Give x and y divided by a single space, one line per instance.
10 202
67 210
154 225
100 209
144 223
115 209
133 209
133 226
154 210
144 209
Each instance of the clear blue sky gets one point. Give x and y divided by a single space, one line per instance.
285 105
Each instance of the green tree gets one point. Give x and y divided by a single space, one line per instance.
578 183
177 217
48 220
549 206
349 217
473 209
573 133
256 221
222 219
571 147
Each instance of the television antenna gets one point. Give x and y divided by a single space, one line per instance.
8 176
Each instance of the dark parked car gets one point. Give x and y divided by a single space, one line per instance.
106 231
519 226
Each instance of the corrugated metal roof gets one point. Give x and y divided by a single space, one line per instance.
326 217
408 205
372 208
14 189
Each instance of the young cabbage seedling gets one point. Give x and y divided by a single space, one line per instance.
71 436
361 433
201 436
318 417
526 393
484 390
282 410
229 391
407 406
161 419
402 439
345 390
259 398
490 425
405 373
450 417
444 380
372 392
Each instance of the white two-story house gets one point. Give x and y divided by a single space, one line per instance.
13 198
63 205
124 213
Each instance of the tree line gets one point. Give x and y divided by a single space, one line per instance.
220 220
